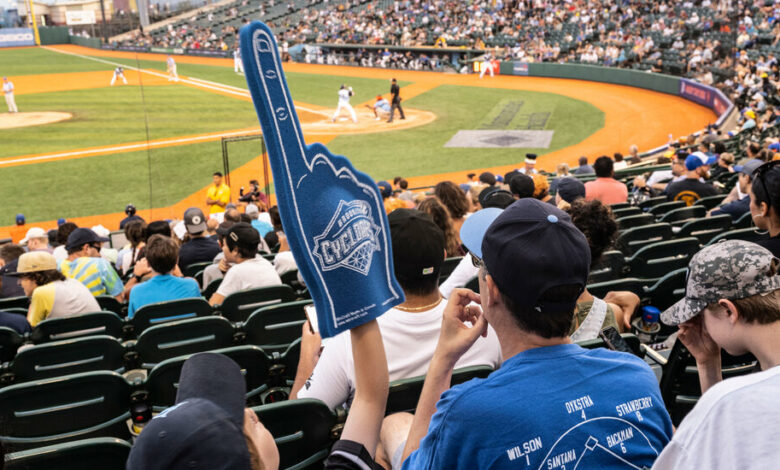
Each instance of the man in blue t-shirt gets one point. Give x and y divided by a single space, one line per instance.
161 254
552 404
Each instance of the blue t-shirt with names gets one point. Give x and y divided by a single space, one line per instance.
558 407
161 288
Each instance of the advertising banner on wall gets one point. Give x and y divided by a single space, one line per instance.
705 96
16 37
79 17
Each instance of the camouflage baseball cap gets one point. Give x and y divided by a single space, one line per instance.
732 269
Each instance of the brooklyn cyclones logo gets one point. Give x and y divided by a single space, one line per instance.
350 239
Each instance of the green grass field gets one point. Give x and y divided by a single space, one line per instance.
161 177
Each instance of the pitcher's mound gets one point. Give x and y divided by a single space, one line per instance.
367 122
11 120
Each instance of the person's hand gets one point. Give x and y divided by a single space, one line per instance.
627 301
262 447
639 182
224 265
695 337
311 344
456 337
283 245
141 268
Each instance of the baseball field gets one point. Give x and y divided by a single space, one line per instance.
82 149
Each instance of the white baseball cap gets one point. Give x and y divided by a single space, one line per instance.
35 232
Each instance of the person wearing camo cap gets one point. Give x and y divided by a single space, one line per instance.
732 301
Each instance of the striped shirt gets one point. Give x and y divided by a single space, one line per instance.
95 273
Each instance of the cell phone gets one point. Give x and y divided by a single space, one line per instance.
614 341
311 315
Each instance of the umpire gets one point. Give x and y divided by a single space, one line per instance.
396 101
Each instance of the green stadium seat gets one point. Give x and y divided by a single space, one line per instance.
600 289
405 393
71 356
15 302
631 339
303 429
609 267
710 202
656 260
619 205
652 202
747 234
274 328
744 221
661 209
705 228
211 288
678 216
626 211
10 341
98 453
192 269
89 324
183 337
110 304
238 306
62 409
632 221
161 312
448 266
631 240
668 290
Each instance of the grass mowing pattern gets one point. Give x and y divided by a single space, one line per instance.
34 61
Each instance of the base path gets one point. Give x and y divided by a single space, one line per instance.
13 120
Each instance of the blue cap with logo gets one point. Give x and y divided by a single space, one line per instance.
699 159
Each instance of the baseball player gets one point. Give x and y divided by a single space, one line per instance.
487 65
172 75
119 72
344 94
381 108
8 91
238 65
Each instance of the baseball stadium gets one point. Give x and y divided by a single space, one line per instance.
568 203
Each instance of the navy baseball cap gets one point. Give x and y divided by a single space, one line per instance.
82 236
204 429
527 249
493 196
418 245
385 189
20 219
570 189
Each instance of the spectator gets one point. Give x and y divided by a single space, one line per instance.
605 187
633 155
487 178
131 216
530 165
254 196
63 231
521 186
135 232
765 204
441 217
159 227
16 322
619 162
209 426
199 248
739 204
732 302
725 164
405 194
161 255
391 203
249 271
36 239
532 316
569 190
51 294
261 226
561 171
409 331
454 200
221 265
218 195
86 266
692 188
542 189
9 257
584 168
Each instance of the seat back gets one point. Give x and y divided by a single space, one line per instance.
162 383
211 288
744 221
110 304
683 213
89 324
619 205
609 267
62 409
656 260
302 429
710 202
70 356
10 341
631 284
631 240
405 393
239 305
626 211
747 234
86 454
631 340
161 312
668 290
652 202
192 269
625 223
705 228
275 327
15 302
661 209
448 266
183 337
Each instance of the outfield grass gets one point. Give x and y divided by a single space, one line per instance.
33 61
421 151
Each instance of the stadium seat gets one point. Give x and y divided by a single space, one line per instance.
303 429
405 393
153 314
275 327
211 288
183 337
98 323
162 382
656 260
449 265
678 216
744 221
668 290
631 240
110 304
10 341
630 338
619 205
600 289
62 409
652 202
632 221
192 269
15 302
710 202
609 267
705 228
67 357
680 386
238 306
661 209
747 234
626 211
98 453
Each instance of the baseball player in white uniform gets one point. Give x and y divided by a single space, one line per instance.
344 94
172 75
487 65
119 72
238 66
8 91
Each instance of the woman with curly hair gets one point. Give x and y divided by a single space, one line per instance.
456 202
441 217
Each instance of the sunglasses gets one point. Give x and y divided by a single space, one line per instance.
475 260
760 174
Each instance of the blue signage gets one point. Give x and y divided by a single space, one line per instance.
16 37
